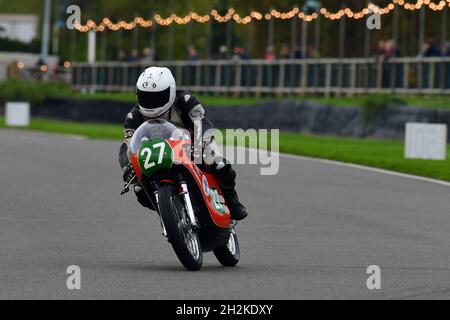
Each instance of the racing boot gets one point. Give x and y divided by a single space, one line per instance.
226 177
237 209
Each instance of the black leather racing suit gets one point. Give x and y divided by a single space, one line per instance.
186 112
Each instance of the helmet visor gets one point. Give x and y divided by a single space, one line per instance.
153 100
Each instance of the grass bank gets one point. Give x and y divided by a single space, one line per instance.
427 102
375 153
90 130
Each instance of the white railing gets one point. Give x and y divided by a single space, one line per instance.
280 77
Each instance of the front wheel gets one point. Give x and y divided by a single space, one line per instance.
184 239
229 254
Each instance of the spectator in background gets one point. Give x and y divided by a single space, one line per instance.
425 47
285 53
386 50
134 57
389 49
431 49
298 53
121 56
192 54
380 54
240 53
312 52
148 56
244 54
42 68
223 50
40 62
270 54
236 53
446 49
53 71
13 70
397 52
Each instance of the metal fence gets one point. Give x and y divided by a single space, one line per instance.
280 77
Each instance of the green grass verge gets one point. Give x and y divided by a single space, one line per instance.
90 130
427 102
375 153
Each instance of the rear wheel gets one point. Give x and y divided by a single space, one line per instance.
183 238
229 254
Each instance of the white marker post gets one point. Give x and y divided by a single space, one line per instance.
17 114
426 141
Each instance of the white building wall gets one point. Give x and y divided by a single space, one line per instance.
18 27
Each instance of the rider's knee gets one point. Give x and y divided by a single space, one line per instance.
142 198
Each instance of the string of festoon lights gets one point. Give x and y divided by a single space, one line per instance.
255 15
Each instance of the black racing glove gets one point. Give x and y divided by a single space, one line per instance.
128 173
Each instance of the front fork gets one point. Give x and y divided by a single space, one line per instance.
188 205
160 219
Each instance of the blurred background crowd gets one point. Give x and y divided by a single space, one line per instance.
403 32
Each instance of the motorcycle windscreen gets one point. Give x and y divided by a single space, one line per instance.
156 129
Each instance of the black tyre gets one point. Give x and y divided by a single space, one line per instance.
184 240
229 255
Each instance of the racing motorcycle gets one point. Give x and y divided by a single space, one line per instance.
192 210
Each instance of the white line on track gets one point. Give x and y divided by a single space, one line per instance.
77 137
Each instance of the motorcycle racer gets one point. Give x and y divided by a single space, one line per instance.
158 98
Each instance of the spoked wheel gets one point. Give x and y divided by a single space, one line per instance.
229 255
182 236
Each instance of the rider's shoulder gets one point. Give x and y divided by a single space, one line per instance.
185 96
135 112
134 118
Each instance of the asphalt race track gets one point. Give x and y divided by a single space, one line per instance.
312 232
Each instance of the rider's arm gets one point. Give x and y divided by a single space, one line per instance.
193 113
132 121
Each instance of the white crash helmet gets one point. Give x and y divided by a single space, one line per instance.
155 90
